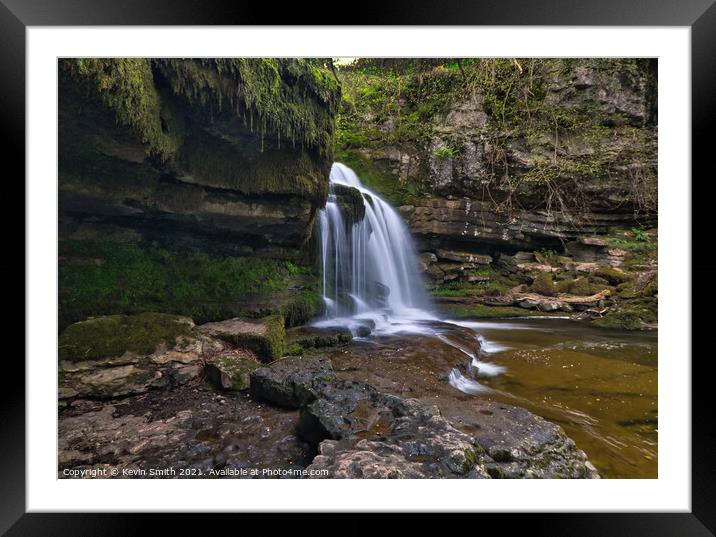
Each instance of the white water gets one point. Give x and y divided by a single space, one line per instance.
371 282
370 273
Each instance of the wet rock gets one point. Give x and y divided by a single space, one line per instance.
112 336
231 371
363 331
435 273
316 338
381 291
369 434
290 382
350 201
425 260
522 445
428 258
524 256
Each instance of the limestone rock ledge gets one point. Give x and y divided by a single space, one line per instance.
191 150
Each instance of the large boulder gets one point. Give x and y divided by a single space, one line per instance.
231 370
112 335
265 337
367 433
291 382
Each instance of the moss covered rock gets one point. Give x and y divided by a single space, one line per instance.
215 167
584 286
99 277
315 338
350 202
624 320
114 335
612 275
543 284
231 371
265 337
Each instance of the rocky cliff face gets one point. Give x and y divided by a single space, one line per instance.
521 179
226 157
507 154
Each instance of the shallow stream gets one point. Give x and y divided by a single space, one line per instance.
599 385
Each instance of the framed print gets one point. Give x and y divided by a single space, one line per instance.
343 269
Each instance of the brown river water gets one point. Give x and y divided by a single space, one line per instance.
599 385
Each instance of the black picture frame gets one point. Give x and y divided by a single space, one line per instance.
17 15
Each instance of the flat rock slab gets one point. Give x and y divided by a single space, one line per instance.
232 327
463 257
132 373
204 433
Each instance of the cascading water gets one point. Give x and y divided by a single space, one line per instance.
370 272
371 282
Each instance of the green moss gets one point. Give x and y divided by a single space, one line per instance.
375 175
465 289
87 170
269 345
632 314
294 349
320 340
275 335
481 311
126 87
612 275
230 372
543 284
584 286
625 320
471 459
115 334
99 278
307 305
221 164
293 99
405 108
627 290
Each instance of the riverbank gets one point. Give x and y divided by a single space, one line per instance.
362 407
215 409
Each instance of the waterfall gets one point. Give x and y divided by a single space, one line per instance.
371 282
370 272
